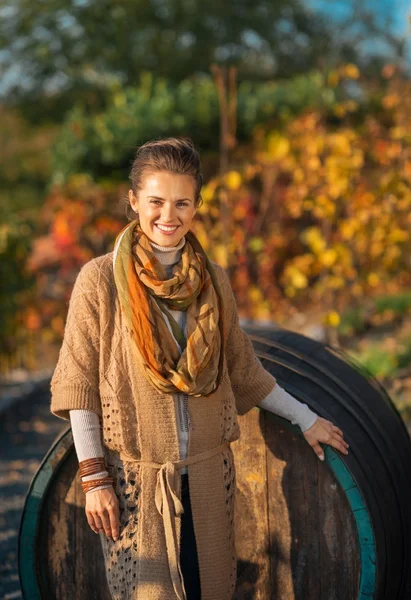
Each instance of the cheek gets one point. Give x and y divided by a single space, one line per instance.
150 212
188 217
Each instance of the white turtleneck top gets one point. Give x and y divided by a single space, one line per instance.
85 424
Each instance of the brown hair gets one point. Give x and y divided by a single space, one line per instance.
175 154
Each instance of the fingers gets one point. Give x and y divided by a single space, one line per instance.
90 521
114 521
102 513
318 450
335 437
106 522
337 440
340 440
97 521
337 430
339 444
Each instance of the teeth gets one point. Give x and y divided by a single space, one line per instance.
166 228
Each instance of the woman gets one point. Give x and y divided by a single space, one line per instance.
153 371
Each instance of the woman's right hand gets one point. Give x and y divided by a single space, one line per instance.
102 512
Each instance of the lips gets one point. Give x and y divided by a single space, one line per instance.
166 228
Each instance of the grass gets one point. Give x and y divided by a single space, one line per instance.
377 360
379 310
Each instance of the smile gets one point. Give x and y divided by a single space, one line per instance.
166 229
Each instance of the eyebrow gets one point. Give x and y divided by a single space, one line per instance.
179 200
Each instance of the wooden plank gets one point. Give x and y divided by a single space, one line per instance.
56 542
338 540
68 549
293 514
90 572
251 523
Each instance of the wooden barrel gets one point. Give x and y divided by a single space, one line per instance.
305 530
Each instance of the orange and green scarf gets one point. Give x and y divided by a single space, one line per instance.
145 293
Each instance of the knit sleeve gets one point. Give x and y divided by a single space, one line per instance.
281 403
75 381
85 426
250 382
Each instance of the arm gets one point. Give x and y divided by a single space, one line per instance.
75 381
85 426
284 404
250 382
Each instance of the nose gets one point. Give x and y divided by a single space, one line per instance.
168 213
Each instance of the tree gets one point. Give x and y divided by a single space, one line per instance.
75 49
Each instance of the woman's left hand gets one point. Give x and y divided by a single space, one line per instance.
324 431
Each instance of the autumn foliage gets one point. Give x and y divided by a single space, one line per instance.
313 211
320 211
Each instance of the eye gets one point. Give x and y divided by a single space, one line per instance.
182 203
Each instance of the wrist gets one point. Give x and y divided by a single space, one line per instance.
94 474
308 420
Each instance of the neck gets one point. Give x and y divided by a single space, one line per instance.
168 255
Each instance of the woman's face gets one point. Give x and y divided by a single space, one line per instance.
165 198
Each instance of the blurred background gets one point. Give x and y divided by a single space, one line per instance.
301 111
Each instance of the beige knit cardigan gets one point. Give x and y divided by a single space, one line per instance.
97 370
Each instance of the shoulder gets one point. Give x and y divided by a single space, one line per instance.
98 265
97 272
222 277
226 290
219 271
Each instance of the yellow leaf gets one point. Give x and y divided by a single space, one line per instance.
298 279
351 71
348 229
278 146
398 235
373 279
208 191
233 180
312 236
220 253
332 318
256 244
255 294
328 257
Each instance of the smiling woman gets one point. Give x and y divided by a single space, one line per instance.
153 350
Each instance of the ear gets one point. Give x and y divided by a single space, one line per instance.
133 200
196 207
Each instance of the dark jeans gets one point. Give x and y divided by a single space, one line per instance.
188 552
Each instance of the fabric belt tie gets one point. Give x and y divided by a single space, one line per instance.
169 506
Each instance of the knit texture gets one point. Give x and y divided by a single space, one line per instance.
280 402
85 425
96 370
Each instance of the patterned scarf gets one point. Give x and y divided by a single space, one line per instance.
145 293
